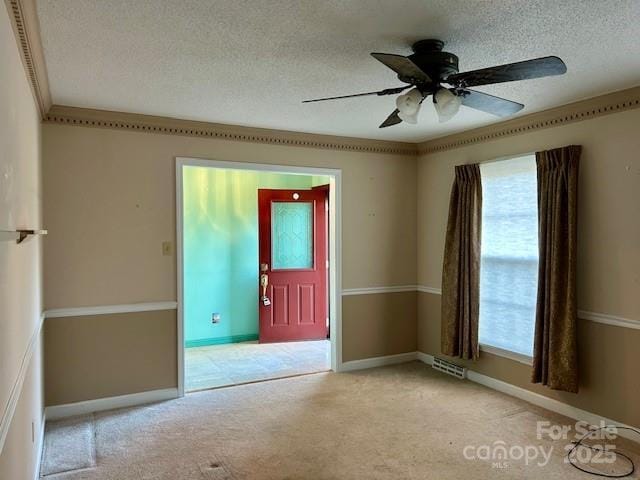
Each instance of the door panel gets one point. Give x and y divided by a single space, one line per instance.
280 305
293 255
306 295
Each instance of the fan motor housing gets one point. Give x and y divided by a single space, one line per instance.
428 55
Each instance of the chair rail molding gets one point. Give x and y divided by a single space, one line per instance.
16 390
609 319
374 290
110 309
603 318
433 290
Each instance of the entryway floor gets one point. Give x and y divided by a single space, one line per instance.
231 364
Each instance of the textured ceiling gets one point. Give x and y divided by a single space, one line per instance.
252 62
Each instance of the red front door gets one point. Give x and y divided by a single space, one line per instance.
293 256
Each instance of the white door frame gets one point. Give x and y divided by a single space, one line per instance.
335 246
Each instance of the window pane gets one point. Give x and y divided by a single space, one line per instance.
509 264
291 235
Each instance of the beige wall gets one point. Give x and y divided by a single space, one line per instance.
110 203
142 344
378 325
20 265
608 254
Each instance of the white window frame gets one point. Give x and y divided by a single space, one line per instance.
497 351
501 352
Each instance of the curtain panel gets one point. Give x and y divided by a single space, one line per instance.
461 268
555 355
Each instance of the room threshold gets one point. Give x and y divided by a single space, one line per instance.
213 366
262 380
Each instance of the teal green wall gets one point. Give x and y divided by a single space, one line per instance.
317 180
220 241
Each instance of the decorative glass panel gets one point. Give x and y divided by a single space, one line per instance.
291 235
509 259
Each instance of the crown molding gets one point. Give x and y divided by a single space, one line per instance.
565 114
570 113
24 20
164 125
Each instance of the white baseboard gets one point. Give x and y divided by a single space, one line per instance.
109 403
80 408
539 400
424 358
40 447
378 361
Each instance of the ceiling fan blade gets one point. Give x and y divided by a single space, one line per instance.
407 70
490 104
536 68
392 119
386 91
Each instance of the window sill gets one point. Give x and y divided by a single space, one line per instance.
517 357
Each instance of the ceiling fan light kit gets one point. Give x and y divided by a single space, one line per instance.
410 118
408 105
446 104
428 68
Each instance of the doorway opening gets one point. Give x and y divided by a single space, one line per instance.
258 272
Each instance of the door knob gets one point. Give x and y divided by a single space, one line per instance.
264 282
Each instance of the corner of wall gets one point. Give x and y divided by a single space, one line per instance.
21 382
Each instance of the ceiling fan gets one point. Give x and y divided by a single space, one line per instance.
429 68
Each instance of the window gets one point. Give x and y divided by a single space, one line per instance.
509 255
291 235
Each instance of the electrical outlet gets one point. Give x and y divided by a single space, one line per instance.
215 318
166 249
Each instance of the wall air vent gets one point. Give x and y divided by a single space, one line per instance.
449 368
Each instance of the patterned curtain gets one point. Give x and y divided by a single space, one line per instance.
555 356
461 269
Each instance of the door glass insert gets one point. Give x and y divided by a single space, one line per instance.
291 235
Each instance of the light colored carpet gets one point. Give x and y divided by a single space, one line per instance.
68 445
400 422
235 363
